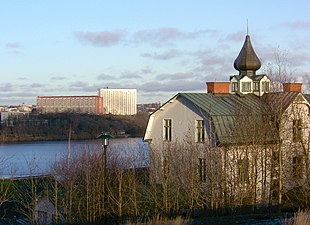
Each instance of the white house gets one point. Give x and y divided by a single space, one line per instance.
238 143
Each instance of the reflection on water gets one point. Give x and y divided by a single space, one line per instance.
35 158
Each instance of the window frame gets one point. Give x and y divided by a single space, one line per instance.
234 86
255 86
167 130
265 86
199 131
246 86
297 130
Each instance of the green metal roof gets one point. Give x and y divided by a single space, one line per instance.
227 104
279 100
237 119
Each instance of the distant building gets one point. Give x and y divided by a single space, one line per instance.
108 101
119 101
21 108
148 107
25 108
9 117
77 104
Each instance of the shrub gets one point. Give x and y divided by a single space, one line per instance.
300 218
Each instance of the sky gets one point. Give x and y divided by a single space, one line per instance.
162 47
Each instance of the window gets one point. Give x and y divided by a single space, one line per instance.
234 86
202 170
256 86
265 86
200 131
246 87
297 167
167 129
243 170
297 130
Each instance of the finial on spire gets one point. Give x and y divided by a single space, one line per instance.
247 27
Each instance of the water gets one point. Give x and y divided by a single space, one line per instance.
36 158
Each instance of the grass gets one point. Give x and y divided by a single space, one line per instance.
300 218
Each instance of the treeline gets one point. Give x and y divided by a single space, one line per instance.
82 126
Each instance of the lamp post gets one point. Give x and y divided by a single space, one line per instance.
104 136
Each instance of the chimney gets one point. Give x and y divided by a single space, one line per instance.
292 87
218 87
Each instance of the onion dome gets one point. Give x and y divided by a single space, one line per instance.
247 61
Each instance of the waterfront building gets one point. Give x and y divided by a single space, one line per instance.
76 104
108 101
11 116
119 101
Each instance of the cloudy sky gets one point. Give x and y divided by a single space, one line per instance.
73 47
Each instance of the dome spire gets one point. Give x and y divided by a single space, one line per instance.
247 62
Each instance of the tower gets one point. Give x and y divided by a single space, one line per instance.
247 81
247 62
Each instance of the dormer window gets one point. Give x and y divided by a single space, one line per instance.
265 86
256 86
246 87
234 86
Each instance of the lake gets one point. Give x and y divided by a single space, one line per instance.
36 158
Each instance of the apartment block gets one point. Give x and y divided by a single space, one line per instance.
108 101
119 101
77 104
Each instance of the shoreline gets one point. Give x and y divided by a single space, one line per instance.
21 140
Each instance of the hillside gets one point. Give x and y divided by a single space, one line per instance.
83 126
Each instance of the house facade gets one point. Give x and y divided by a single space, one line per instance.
238 144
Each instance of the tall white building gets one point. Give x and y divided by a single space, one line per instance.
119 101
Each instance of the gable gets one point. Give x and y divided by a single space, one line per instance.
261 77
307 97
182 115
265 78
300 99
233 79
245 79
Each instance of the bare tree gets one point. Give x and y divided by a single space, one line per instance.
306 83
279 70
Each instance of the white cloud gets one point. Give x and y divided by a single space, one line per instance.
102 39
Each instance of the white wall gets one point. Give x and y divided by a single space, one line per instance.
183 123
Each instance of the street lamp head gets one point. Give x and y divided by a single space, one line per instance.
105 136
